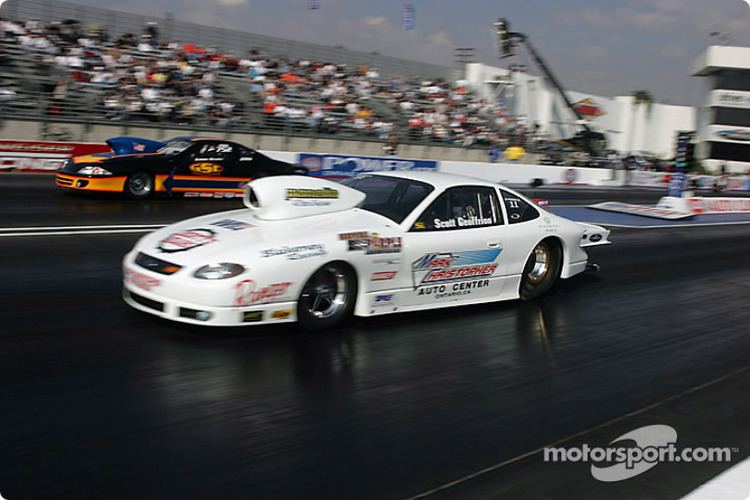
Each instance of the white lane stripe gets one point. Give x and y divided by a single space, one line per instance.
71 228
74 233
700 224
732 484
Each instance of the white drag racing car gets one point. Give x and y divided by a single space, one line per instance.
316 251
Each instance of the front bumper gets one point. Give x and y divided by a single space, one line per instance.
174 310
108 184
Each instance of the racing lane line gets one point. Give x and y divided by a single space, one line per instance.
668 226
528 454
71 233
8 232
53 228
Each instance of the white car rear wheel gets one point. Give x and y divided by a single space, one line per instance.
541 270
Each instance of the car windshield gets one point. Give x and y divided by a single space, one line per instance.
175 146
390 197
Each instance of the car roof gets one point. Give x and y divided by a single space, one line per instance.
194 138
439 180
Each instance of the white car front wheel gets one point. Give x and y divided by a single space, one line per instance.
328 297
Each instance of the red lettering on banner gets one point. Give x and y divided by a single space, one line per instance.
43 156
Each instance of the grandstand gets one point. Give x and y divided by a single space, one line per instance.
66 62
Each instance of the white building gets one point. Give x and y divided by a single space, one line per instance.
629 127
724 121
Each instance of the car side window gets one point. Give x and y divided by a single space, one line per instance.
519 210
465 207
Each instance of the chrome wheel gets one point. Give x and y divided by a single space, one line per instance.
541 265
140 185
542 269
325 295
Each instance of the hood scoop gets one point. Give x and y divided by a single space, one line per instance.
293 196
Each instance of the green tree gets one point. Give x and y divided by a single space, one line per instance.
643 97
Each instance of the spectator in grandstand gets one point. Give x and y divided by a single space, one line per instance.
514 154
143 77
391 147
7 95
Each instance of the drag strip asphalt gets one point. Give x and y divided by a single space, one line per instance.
101 401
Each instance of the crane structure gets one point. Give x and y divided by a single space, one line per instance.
587 139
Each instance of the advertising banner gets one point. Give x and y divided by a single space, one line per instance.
342 166
42 156
730 99
724 133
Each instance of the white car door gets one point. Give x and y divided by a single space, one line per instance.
525 228
454 250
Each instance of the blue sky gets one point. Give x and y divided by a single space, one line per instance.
606 47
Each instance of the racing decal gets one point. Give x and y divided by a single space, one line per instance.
383 276
453 290
232 224
371 243
141 280
385 300
296 252
206 168
282 314
311 197
548 225
456 222
248 292
186 240
420 225
437 268
252 316
360 235
212 194
380 245
216 148
311 193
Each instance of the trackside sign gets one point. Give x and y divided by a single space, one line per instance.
42 156
340 166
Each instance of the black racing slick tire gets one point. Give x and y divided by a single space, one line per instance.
541 270
327 299
139 186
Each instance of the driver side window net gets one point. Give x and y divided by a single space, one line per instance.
461 208
518 210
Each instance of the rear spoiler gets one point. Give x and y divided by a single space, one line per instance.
594 235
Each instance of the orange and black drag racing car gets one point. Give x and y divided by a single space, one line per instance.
187 166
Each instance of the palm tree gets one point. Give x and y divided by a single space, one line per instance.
643 97
640 97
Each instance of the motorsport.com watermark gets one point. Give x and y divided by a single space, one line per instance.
654 444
